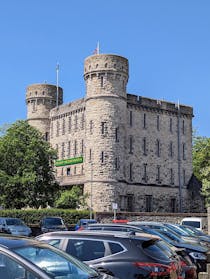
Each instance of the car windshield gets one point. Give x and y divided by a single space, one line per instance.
53 222
14 222
191 223
178 230
172 235
152 248
55 263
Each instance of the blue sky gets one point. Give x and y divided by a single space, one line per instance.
167 43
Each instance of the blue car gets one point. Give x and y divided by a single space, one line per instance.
83 223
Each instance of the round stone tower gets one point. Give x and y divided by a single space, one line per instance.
40 99
106 77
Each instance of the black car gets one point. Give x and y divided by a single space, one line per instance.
52 224
188 265
22 258
124 255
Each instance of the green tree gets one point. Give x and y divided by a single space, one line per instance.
71 199
201 164
26 172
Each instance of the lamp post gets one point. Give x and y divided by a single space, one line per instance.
179 158
91 192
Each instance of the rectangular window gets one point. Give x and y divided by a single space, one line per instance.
75 147
131 171
90 154
83 121
91 126
103 127
46 136
144 121
131 118
82 147
171 125
63 126
102 81
102 156
171 149
158 175
131 144
75 170
173 205
158 147
68 172
184 177
145 173
183 151
117 134
158 122
148 203
130 203
183 127
144 146
117 165
63 150
69 148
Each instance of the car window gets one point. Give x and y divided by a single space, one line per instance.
86 250
115 247
191 223
151 248
52 221
11 269
14 222
53 242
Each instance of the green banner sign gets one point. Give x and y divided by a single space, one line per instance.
70 161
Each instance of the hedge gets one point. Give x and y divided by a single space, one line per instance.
33 216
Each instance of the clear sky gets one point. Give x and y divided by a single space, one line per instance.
167 43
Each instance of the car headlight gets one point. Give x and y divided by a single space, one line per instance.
198 256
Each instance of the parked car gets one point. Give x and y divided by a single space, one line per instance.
188 266
196 222
203 238
196 232
123 255
158 225
31 259
51 224
197 253
83 223
14 226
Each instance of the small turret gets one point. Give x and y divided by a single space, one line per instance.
40 99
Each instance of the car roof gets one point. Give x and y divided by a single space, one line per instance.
11 242
104 234
113 225
145 223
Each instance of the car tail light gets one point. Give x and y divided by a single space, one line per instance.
158 271
189 270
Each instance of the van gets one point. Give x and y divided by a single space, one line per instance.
197 222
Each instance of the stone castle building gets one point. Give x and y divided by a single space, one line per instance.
123 149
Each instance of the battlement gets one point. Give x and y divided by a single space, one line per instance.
44 91
158 104
105 63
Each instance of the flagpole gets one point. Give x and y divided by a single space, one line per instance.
98 50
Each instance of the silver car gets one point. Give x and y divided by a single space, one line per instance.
27 258
14 226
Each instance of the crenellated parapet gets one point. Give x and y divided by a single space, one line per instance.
158 105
